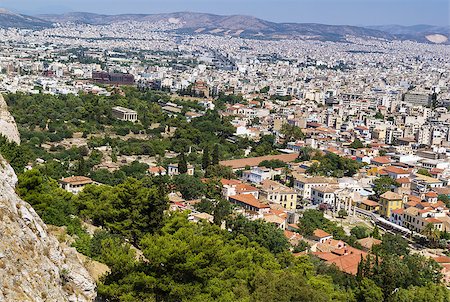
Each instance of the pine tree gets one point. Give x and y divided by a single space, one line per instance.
182 164
205 159
215 155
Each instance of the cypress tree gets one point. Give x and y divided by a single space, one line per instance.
182 164
205 159
215 155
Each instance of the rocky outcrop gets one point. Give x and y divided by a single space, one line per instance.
8 126
34 266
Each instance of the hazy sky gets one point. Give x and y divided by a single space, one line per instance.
354 12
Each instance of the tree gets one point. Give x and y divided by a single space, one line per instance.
267 235
383 184
291 132
379 115
273 164
376 233
205 159
423 171
445 199
182 164
189 186
368 291
129 209
392 245
219 171
431 233
342 213
215 156
359 232
356 144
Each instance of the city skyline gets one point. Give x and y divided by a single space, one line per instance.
350 12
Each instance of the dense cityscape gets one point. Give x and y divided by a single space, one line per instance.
145 162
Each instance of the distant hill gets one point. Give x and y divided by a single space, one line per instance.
10 19
238 25
235 25
420 33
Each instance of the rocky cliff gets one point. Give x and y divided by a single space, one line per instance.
8 126
34 266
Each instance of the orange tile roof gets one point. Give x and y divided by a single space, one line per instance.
433 220
77 180
431 194
370 203
250 200
381 159
255 161
403 180
442 259
156 169
320 233
391 196
396 170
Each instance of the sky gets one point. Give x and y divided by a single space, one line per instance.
351 12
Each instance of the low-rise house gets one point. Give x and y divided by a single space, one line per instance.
369 205
259 174
250 203
75 184
157 171
235 187
321 236
325 194
390 201
339 253
197 217
304 184
396 172
397 216
368 242
172 169
277 193
380 161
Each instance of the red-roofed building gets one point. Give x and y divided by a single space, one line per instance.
396 172
321 235
380 161
250 203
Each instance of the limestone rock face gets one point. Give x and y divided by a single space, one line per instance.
34 266
8 126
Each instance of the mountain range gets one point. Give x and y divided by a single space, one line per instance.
238 25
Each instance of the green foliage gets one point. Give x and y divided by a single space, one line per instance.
215 156
273 164
265 234
383 184
423 171
189 186
291 132
200 262
395 271
392 245
333 165
205 158
429 293
219 171
53 204
379 115
17 156
359 232
182 164
356 144
368 291
130 209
